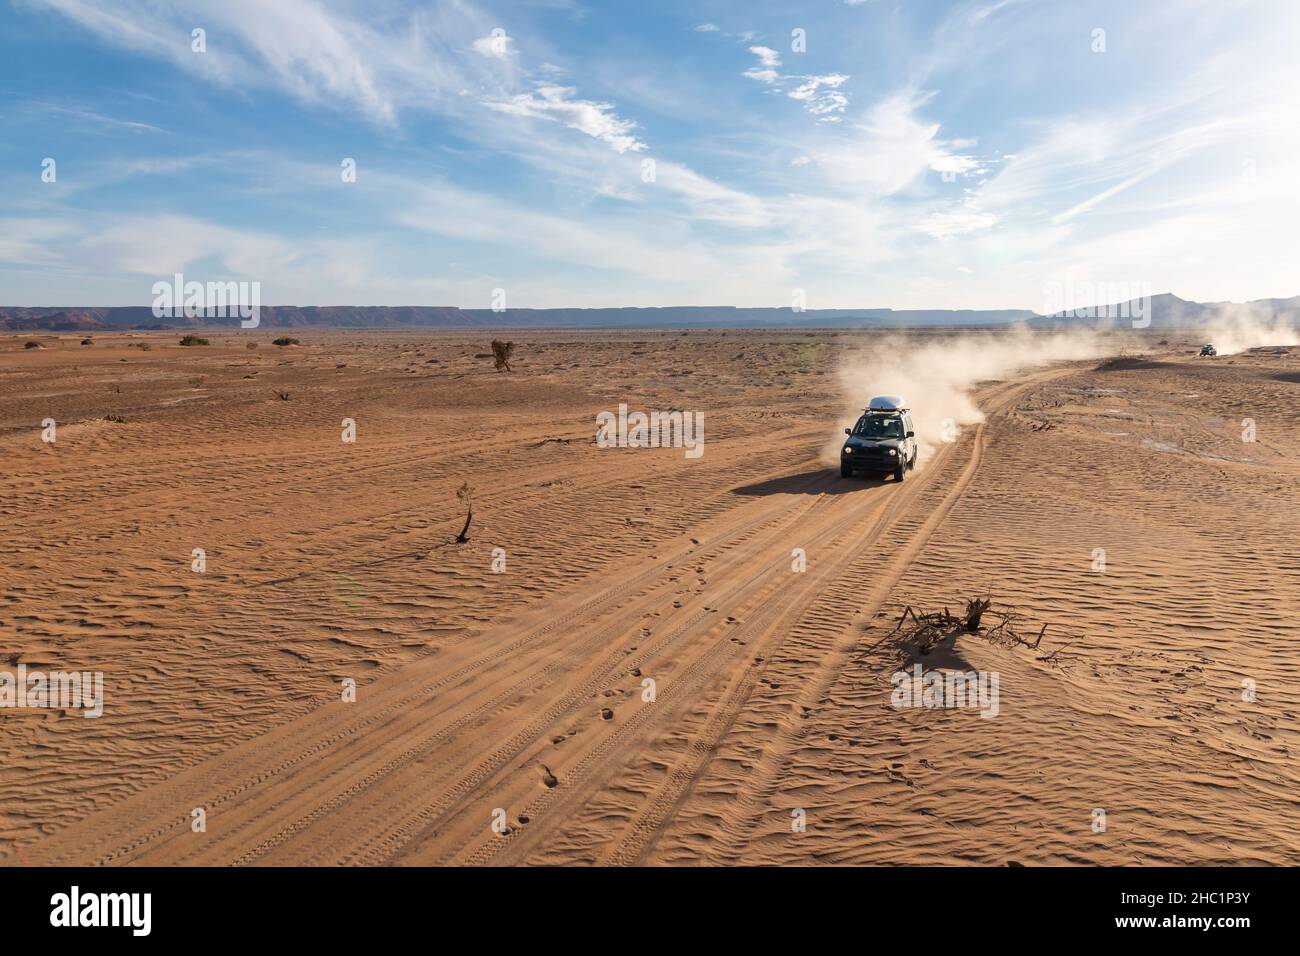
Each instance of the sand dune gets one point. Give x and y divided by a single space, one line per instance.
521 696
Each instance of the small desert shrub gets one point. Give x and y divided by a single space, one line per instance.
501 352
193 340
115 418
31 345
251 345
87 342
282 396
145 346
284 340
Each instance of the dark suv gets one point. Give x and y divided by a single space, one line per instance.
883 442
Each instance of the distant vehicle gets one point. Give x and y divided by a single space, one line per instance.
883 442
1209 350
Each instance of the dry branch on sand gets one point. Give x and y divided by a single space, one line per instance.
466 494
929 629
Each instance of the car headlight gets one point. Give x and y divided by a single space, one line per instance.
893 451
848 450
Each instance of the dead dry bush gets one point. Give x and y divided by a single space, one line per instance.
501 352
927 630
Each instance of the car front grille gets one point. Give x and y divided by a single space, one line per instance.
870 458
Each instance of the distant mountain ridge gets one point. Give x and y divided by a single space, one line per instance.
80 319
1167 311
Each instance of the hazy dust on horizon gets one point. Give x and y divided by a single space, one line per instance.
937 378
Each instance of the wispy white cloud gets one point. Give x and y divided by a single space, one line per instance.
326 54
1092 201
820 95
768 61
559 103
958 221
497 44
150 246
890 148
92 117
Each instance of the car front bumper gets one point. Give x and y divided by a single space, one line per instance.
869 462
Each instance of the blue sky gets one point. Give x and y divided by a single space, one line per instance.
913 153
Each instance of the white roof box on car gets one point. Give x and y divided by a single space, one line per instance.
887 403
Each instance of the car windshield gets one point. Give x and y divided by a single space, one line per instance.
879 426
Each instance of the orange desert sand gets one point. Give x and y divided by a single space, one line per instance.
1164 693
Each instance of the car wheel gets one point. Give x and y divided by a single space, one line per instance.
845 471
900 471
